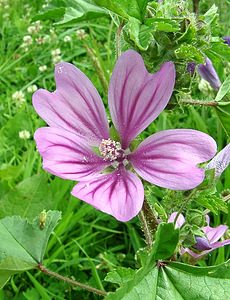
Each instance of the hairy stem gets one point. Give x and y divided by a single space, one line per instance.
71 281
196 6
118 39
98 67
149 222
198 102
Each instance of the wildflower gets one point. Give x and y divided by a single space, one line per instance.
77 145
56 52
67 39
42 68
27 39
221 161
41 40
81 34
31 29
19 96
56 57
208 73
32 88
227 40
24 134
204 244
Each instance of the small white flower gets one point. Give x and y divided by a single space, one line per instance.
56 59
81 34
42 68
67 39
32 88
24 134
19 96
55 52
38 26
27 39
31 29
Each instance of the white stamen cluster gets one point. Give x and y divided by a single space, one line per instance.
110 150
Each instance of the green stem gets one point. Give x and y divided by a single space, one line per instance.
149 222
98 67
44 270
196 6
186 201
118 39
198 102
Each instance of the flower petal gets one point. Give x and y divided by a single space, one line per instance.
75 106
137 97
220 244
208 73
180 220
221 161
120 194
214 233
169 158
65 155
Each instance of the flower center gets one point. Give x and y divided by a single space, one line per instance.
111 150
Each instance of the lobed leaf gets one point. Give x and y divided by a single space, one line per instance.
23 244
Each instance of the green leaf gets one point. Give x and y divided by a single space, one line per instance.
23 244
219 50
223 114
212 202
166 240
211 14
163 24
70 12
139 33
224 89
79 10
125 8
28 198
176 281
189 53
120 276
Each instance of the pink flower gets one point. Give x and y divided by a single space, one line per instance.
205 244
77 145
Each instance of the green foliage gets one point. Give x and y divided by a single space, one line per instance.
71 12
170 281
28 198
140 34
166 240
212 202
223 114
125 8
224 89
23 244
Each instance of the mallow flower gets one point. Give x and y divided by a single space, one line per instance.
77 144
208 72
221 161
205 244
